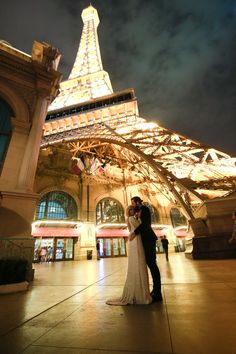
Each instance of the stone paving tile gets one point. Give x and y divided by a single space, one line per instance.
64 310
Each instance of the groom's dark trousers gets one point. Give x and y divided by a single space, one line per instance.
149 244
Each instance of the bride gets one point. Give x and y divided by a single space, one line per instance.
136 288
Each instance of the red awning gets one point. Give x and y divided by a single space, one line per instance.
112 233
161 231
55 232
180 233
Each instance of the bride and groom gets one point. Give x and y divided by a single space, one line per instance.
141 253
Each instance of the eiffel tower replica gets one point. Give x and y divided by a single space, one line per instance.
87 117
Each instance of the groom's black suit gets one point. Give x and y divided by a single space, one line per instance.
148 237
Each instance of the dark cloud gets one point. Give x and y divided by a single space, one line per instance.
178 55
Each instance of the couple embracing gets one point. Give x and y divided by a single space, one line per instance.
141 253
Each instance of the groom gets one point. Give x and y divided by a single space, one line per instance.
148 237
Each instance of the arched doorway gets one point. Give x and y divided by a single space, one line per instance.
52 241
112 238
179 222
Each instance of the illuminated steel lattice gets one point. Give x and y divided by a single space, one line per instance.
109 128
87 80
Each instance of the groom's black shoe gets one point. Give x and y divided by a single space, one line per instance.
153 293
156 298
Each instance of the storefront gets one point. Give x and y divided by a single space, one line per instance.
161 231
54 243
112 242
181 236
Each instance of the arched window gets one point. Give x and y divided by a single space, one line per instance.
177 218
5 129
109 211
56 205
155 217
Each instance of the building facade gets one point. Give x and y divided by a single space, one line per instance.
28 84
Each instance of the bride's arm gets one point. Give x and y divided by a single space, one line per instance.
135 222
131 236
128 224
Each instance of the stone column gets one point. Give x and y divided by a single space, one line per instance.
30 159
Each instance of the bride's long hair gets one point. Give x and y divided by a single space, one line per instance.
129 211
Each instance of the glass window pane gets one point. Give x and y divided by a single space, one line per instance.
37 250
109 211
59 249
69 248
3 144
5 128
122 247
115 247
57 206
177 218
107 248
101 247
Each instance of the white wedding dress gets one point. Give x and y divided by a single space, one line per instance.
136 288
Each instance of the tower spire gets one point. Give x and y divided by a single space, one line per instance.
88 59
87 79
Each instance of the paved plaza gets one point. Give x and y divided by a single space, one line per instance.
64 310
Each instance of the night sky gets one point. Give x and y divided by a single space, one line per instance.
178 55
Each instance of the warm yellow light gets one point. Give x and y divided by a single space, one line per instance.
183 227
123 130
139 126
146 126
109 225
163 226
56 222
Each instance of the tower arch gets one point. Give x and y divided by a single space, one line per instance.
105 136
